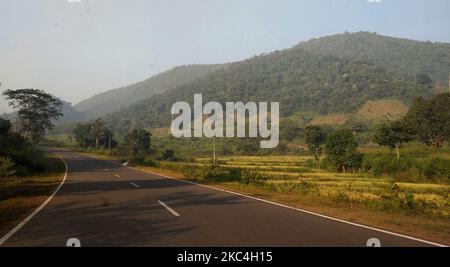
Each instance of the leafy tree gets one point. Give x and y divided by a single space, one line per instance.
94 135
314 138
341 148
5 126
393 134
36 111
137 144
17 156
83 135
429 120
97 130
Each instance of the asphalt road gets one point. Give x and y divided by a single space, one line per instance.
105 204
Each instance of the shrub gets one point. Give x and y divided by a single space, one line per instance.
6 167
386 164
149 161
437 168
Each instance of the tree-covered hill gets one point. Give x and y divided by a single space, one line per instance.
298 79
402 56
116 99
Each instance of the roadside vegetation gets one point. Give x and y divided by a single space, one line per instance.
28 175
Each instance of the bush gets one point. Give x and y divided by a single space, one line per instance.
149 161
169 155
6 167
386 164
437 168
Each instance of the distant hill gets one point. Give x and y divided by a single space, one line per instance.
402 56
116 99
300 80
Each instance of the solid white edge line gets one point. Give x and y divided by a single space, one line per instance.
292 208
174 213
27 219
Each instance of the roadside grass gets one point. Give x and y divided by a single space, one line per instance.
19 196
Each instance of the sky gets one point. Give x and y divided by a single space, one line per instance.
75 49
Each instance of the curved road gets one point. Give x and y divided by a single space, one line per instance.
105 204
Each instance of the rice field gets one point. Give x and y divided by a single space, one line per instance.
299 175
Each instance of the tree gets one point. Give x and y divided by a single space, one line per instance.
5 126
341 148
36 111
94 135
393 134
83 135
137 144
97 130
429 120
314 138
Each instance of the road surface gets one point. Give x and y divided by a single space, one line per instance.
104 204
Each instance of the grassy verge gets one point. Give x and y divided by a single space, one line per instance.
19 196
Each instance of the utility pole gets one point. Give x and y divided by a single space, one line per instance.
214 151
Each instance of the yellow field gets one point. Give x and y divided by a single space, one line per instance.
300 176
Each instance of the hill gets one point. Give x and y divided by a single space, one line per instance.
402 56
298 79
116 99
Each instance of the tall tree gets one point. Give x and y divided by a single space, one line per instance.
393 134
429 120
314 138
36 111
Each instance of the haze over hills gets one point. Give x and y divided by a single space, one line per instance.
312 76
114 100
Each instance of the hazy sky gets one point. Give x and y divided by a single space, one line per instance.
77 49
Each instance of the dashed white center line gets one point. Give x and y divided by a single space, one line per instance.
118 176
135 185
174 213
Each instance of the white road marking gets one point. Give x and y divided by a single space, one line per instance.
106 170
135 185
27 219
174 213
118 176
